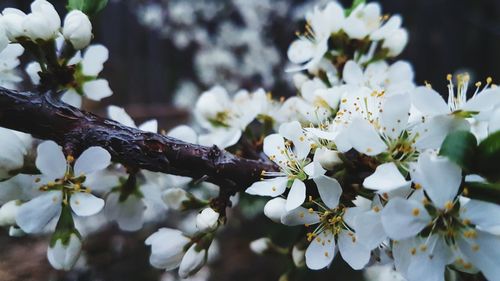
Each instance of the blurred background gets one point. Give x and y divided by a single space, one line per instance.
164 53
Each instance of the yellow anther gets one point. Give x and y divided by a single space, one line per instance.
489 80
70 159
418 186
449 77
423 247
413 251
448 205
478 84
415 212
310 210
376 209
466 221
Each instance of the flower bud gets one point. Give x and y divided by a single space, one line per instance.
77 29
64 251
13 22
43 22
396 42
275 208
167 248
207 220
328 158
298 256
15 231
4 41
260 245
192 261
12 153
8 213
174 197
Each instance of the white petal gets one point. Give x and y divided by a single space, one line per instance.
93 59
352 251
369 228
271 187
97 89
483 214
320 255
485 100
300 216
85 204
273 145
429 102
293 131
386 178
494 124
93 159
34 215
72 98
483 252
296 196
300 51
275 209
50 160
394 117
404 218
221 137
119 115
433 132
329 190
192 261
128 214
353 74
364 138
149 126
184 133
64 257
430 259
441 178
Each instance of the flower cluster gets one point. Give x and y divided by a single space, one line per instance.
367 163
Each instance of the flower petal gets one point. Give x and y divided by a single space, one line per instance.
394 117
329 190
119 115
85 204
429 102
386 178
293 131
50 160
353 252
364 138
441 178
149 126
34 215
299 216
321 251
72 98
93 159
184 133
273 146
93 59
128 214
404 218
97 89
353 74
483 252
271 187
296 196
483 214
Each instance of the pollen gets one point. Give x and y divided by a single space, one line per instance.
472 234
310 210
301 215
449 77
415 212
418 186
70 159
448 205
274 188
475 247
376 209
489 80
326 254
413 251
423 247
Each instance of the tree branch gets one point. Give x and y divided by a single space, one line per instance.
46 117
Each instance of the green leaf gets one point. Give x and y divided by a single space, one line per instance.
460 147
488 157
89 7
355 3
489 192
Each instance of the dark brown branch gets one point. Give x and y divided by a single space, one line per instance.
45 117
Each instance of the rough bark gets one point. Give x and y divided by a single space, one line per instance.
45 117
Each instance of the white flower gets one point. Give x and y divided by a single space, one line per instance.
275 209
438 229
128 212
379 76
310 48
43 22
260 245
167 248
13 21
61 184
365 19
174 197
63 253
119 115
207 220
441 118
298 256
292 165
328 158
8 213
192 261
12 152
9 61
77 29
4 40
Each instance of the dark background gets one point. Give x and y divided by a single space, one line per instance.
144 70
